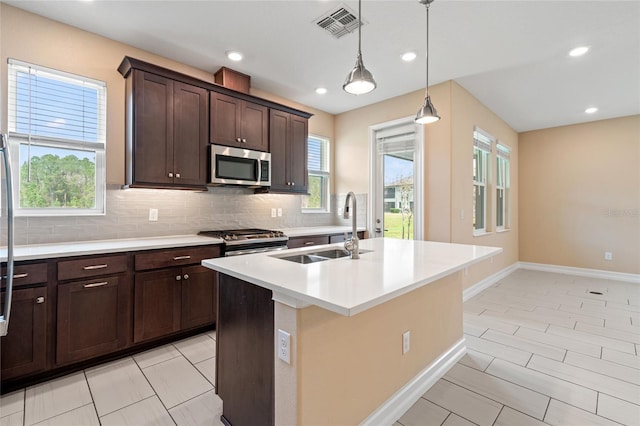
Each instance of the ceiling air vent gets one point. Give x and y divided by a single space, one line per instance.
339 21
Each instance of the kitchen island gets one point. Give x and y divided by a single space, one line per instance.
346 320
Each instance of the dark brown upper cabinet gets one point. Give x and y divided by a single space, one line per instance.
236 122
171 117
288 145
167 137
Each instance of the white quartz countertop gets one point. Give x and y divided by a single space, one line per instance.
47 251
346 286
317 230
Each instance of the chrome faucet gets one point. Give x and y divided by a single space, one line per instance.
352 245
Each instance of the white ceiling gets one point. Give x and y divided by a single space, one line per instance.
511 55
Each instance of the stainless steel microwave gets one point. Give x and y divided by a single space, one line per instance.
236 166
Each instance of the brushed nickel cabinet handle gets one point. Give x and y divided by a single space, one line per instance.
182 257
170 175
16 276
244 140
94 267
186 276
178 277
39 300
309 243
178 175
93 285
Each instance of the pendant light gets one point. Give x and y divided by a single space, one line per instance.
427 114
360 80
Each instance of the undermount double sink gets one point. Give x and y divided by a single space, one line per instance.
317 256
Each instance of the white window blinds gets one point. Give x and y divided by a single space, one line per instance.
482 141
50 104
397 139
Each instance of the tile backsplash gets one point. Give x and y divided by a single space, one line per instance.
179 213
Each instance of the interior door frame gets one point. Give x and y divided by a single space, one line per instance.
418 174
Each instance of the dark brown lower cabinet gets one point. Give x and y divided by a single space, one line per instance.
170 300
199 290
245 352
156 310
23 349
93 318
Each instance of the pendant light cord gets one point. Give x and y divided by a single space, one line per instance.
359 27
427 60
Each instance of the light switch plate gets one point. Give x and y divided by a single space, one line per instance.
153 215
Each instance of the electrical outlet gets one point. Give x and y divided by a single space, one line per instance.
340 211
279 211
284 346
461 214
273 212
153 215
406 342
608 255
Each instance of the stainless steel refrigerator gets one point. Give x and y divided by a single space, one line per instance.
8 190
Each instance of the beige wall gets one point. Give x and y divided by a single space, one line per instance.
448 155
580 189
374 363
48 43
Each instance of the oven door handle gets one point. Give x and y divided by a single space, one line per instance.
252 251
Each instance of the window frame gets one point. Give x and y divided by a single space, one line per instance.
18 139
503 183
482 148
324 175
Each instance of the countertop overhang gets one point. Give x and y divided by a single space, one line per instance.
347 286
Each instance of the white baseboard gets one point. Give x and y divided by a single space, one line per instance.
488 282
582 272
403 399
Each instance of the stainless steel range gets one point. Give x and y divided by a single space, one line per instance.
247 241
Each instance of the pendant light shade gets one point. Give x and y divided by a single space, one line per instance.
360 80
427 113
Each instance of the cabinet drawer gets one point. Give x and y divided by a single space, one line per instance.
175 257
91 267
34 273
308 241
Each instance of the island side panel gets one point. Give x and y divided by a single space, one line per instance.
349 366
245 347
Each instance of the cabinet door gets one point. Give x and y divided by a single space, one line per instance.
157 302
255 126
24 347
298 154
224 120
279 123
190 137
93 318
153 129
199 289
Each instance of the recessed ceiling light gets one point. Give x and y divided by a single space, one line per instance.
591 110
321 90
409 56
234 55
579 51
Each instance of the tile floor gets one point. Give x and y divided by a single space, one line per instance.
541 350
169 385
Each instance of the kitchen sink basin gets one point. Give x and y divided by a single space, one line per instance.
318 256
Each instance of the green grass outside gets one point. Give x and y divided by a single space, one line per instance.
393 224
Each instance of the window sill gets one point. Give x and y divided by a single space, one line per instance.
481 234
314 211
503 230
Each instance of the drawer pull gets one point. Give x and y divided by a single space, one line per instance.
94 267
182 257
16 276
39 300
309 243
101 284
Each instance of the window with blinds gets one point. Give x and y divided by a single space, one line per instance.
503 183
318 169
482 143
57 130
